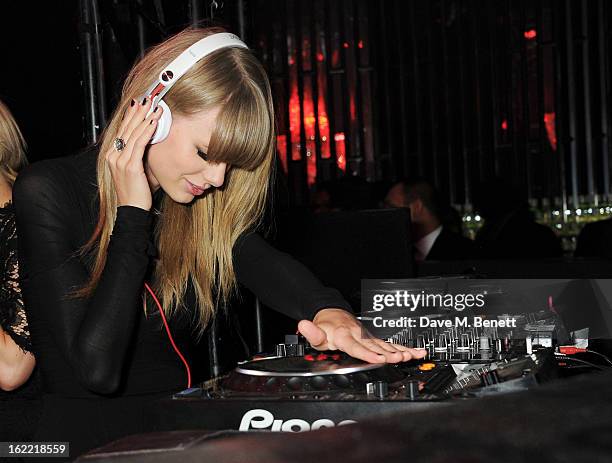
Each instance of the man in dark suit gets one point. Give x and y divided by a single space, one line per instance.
432 239
509 230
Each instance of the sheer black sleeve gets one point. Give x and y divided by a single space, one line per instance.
280 281
93 334
12 314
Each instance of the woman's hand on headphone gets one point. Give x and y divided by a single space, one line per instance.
126 166
337 329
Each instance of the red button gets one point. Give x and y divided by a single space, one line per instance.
309 357
336 356
322 357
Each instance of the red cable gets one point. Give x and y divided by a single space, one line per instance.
551 307
571 350
178 352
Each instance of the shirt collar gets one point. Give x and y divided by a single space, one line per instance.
424 245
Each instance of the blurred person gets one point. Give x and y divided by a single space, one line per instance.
594 240
321 199
509 228
433 240
18 406
351 193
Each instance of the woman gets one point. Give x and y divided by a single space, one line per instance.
17 403
177 215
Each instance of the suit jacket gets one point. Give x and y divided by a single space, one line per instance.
451 246
517 236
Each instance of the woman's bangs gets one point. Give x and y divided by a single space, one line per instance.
243 131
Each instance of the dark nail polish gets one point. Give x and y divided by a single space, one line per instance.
151 123
133 102
155 110
144 101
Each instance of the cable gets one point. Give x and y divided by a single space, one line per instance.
571 350
176 349
601 355
581 361
551 307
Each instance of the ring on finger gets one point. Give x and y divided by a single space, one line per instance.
119 143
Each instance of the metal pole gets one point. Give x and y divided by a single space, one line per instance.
195 7
544 44
571 136
93 69
587 104
418 107
241 22
463 114
493 74
213 350
524 90
482 156
140 28
91 120
385 77
259 326
560 105
603 97
450 178
99 62
432 89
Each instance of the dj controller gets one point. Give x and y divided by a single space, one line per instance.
300 389
491 365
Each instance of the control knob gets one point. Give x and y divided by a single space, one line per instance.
292 347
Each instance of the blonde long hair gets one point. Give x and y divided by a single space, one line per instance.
12 146
208 227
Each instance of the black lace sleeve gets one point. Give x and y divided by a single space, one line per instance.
12 314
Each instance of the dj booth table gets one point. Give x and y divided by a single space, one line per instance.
171 414
568 420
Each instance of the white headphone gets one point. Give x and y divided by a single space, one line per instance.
173 72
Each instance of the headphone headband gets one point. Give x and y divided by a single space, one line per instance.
181 64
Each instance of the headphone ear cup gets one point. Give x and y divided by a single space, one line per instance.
163 124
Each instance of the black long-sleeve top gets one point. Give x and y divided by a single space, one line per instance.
105 344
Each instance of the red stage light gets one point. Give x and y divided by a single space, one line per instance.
281 146
309 132
340 151
551 132
294 123
530 34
